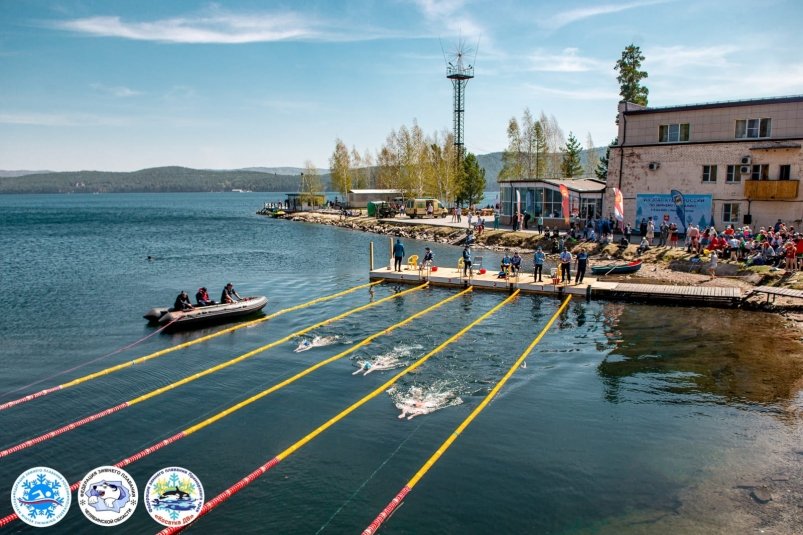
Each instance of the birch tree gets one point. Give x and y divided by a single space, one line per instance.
340 168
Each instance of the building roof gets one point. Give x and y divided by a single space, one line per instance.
373 191
723 104
580 185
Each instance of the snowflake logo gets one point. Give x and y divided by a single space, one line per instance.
41 497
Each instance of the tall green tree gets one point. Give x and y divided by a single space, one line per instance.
472 186
570 166
340 167
602 168
631 75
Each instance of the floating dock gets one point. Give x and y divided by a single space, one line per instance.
590 287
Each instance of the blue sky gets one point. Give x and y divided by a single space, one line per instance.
124 85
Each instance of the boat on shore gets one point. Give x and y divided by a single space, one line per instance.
218 313
617 269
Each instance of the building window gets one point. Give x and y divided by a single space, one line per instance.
785 173
730 212
760 172
709 173
672 133
734 174
747 128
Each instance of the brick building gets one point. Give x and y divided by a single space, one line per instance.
720 163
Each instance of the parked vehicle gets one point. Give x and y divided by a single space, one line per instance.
420 208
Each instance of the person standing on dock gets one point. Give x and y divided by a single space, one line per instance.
538 264
582 262
466 260
398 254
566 266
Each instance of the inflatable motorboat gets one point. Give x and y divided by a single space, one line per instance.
208 314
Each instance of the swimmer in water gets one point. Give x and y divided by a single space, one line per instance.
317 341
419 403
383 362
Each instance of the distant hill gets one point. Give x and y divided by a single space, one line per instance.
157 179
20 173
185 179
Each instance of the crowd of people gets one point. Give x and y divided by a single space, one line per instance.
183 303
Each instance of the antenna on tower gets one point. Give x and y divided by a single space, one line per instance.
459 71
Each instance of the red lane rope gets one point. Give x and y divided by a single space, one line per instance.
386 512
78 367
8 519
225 495
56 432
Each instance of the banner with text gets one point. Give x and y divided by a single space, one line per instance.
682 210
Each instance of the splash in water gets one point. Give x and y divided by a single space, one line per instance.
420 400
387 361
316 341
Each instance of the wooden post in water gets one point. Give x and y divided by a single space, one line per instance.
371 256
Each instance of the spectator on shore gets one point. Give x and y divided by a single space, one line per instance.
650 230
540 224
644 246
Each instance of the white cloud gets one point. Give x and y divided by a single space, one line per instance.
573 15
567 60
115 91
672 58
221 27
576 94
60 119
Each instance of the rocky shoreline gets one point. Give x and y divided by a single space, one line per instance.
661 264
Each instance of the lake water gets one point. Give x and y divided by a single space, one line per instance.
627 419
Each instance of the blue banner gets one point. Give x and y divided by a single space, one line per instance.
677 208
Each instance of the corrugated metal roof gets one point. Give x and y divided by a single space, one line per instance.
373 191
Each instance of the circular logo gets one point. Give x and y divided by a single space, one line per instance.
41 496
108 496
174 496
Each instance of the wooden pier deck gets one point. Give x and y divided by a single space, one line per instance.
772 291
590 287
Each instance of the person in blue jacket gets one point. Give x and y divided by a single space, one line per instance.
398 254
538 262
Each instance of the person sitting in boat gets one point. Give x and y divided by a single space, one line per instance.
202 298
183 302
230 295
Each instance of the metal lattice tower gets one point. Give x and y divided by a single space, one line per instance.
459 73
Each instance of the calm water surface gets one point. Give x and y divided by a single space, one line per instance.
621 413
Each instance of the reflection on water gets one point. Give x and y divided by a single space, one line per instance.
705 354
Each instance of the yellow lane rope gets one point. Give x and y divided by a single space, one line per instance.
184 345
387 511
190 378
241 484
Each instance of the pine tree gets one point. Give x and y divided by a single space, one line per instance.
570 166
630 76
602 168
473 180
